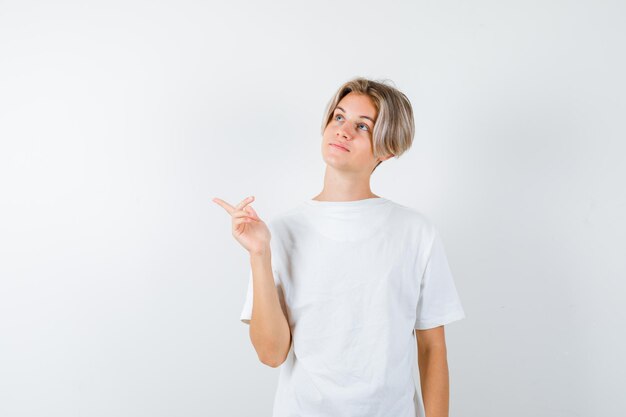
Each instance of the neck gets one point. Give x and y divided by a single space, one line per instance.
340 186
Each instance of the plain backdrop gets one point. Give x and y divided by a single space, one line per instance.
121 284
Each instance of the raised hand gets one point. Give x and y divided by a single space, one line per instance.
248 229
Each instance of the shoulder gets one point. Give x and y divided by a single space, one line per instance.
282 221
413 218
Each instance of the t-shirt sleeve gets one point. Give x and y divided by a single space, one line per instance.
438 302
246 312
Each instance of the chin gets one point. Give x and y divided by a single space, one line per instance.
340 166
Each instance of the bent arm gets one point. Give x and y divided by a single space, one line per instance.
269 329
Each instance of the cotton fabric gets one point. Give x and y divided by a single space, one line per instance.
355 278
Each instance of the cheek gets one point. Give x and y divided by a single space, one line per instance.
367 142
364 150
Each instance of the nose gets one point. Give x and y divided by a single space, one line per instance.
345 131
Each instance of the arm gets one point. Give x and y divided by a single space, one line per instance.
269 330
433 369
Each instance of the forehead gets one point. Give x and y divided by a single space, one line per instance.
359 104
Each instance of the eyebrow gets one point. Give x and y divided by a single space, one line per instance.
364 117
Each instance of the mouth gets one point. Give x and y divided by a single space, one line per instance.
340 147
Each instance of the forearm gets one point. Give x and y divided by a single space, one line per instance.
434 380
269 329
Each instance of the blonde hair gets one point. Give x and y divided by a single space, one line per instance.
394 127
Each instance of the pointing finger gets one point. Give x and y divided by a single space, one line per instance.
230 208
224 204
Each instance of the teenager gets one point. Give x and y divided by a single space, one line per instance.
348 289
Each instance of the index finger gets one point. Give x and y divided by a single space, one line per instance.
230 208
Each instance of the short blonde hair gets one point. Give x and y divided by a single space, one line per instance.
394 127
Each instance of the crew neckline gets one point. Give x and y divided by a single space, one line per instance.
370 201
347 221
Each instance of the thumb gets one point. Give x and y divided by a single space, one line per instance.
254 213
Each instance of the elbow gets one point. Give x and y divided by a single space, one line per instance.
272 361
274 356
271 353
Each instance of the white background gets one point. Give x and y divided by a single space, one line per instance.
121 285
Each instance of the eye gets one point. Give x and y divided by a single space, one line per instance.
362 126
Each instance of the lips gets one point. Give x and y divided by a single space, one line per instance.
340 147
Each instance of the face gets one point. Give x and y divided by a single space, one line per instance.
351 127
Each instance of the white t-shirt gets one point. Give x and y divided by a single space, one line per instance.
354 279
